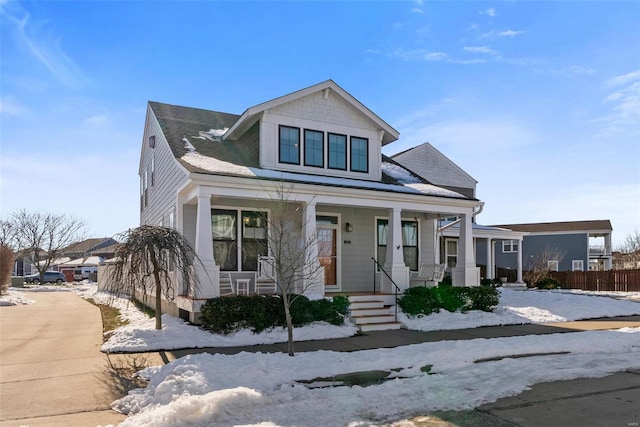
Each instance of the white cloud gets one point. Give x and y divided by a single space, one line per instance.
417 10
573 70
495 34
480 49
46 49
624 104
431 56
490 12
631 77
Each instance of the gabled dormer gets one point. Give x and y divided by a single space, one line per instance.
319 130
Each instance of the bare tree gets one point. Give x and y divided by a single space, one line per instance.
144 261
44 236
630 250
539 267
296 268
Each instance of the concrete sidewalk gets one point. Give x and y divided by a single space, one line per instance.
51 369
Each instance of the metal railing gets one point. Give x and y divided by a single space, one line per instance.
396 288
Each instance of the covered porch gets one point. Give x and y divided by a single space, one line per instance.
229 229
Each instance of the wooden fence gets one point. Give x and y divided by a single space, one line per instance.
613 280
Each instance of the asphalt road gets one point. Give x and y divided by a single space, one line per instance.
51 369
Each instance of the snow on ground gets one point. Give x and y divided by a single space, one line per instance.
531 306
264 389
15 296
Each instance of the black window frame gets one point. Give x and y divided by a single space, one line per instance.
330 157
280 151
306 145
366 154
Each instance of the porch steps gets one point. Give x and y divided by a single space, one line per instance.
371 313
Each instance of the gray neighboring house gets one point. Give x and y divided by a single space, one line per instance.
564 246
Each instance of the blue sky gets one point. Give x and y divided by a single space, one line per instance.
538 101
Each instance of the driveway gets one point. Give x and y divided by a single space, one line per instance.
51 369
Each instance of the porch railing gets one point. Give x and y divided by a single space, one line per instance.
395 290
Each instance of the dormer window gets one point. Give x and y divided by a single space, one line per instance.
337 151
313 148
289 145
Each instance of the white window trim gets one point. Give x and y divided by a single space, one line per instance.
446 251
553 265
575 263
510 246
375 233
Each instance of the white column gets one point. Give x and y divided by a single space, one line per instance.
394 260
207 271
607 252
489 274
466 273
314 276
437 242
519 271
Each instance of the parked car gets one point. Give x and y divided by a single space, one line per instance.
81 273
49 277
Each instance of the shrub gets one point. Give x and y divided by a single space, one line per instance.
424 301
496 283
228 314
548 283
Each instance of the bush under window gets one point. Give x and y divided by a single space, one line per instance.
421 301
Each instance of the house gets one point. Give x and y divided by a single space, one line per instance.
209 174
561 246
100 246
433 165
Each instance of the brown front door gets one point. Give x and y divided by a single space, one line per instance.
328 254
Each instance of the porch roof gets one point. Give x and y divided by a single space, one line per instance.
484 231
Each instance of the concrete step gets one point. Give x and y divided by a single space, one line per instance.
379 326
368 311
362 320
357 305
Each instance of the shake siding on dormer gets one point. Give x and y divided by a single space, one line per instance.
168 176
330 115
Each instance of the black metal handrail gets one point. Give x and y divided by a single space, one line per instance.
376 263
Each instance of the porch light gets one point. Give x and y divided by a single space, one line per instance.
348 227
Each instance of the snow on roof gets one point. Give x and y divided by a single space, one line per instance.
88 261
410 184
212 134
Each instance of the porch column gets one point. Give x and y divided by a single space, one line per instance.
394 260
519 270
437 241
313 278
207 272
607 252
466 273
489 273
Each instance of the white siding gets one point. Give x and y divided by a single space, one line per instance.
314 112
168 175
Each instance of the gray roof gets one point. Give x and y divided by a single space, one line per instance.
180 124
548 227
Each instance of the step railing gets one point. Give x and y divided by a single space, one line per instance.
395 290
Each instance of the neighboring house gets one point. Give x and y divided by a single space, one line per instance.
209 173
431 164
561 246
95 246
626 261
24 264
434 166
89 261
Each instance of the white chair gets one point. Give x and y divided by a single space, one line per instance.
266 277
226 284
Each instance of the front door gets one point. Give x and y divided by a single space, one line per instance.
327 229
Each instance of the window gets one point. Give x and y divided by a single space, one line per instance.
153 170
451 252
225 231
577 265
289 145
509 246
252 241
337 151
313 148
552 265
359 154
409 242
